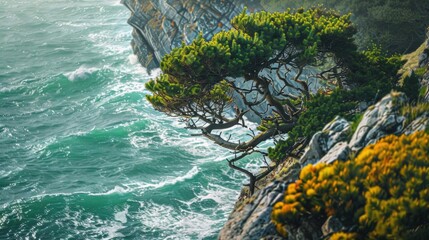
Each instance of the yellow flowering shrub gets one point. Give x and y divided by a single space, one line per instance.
343 236
384 190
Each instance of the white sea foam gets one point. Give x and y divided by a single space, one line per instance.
72 24
111 43
116 3
144 186
81 73
133 59
177 223
121 216
220 194
11 169
115 190
84 223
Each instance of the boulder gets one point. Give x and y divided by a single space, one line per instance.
308 230
332 225
313 152
324 141
419 124
424 57
378 121
336 131
340 151
424 63
253 220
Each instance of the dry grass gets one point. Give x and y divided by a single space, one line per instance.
412 61
412 112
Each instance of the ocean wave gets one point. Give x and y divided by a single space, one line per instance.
110 42
214 198
81 73
121 216
133 59
115 190
175 223
150 186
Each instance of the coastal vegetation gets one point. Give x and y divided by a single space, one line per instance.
397 25
291 73
381 194
293 70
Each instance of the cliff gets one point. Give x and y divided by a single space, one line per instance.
251 219
161 25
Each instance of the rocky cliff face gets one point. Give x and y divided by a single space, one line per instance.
161 25
335 142
424 63
253 219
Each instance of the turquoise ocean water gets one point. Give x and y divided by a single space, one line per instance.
82 154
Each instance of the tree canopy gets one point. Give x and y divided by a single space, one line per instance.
261 62
271 66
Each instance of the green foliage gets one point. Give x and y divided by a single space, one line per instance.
355 122
310 31
189 72
411 86
374 64
420 71
383 191
398 25
373 75
413 111
320 110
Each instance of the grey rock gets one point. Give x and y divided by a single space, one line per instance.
424 63
363 106
378 121
334 132
161 25
424 83
308 230
313 151
419 124
424 57
340 151
322 142
253 221
332 225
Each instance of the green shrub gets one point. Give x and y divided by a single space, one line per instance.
372 73
411 86
411 112
406 20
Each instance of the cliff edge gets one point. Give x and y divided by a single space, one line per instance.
161 25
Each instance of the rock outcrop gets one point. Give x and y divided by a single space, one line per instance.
328 144
424 63
161 25
378 121
424 57
253 220
419 124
